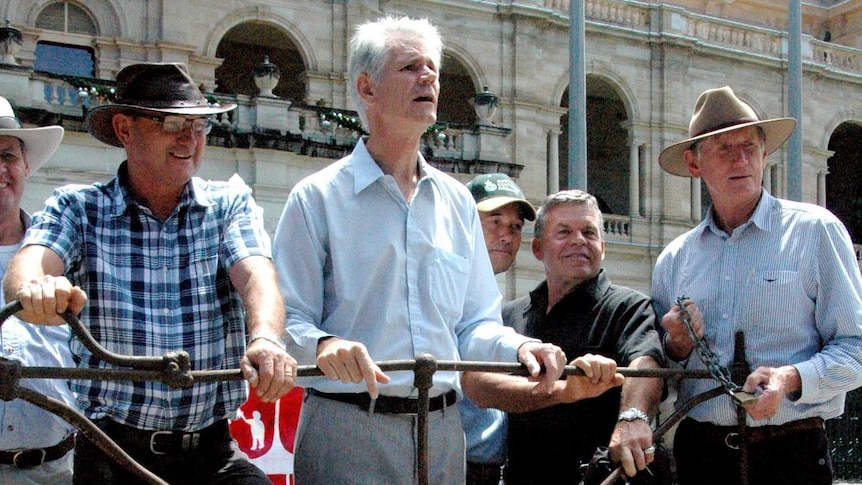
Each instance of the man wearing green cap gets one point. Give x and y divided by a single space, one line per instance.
502 211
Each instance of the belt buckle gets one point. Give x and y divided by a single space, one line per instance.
153 442
730 438
22 453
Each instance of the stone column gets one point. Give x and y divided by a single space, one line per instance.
553 161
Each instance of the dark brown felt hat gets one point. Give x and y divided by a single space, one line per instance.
151 87
719 111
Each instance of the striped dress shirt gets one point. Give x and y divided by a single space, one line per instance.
788 278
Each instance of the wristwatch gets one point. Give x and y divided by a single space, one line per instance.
632 414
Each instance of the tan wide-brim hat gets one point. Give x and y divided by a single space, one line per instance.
39 143
718 111
160 88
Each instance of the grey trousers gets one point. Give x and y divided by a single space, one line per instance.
340 444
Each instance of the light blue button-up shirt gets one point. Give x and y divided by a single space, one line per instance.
23 425
788 278
357 261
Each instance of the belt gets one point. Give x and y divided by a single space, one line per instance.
167 442
731 437
34 457
387 404
483 473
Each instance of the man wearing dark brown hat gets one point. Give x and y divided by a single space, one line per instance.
782 273
158 260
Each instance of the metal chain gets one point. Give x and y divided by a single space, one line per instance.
710 359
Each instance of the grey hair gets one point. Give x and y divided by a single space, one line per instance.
573 196
372 42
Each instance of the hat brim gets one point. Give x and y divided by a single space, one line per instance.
777 131
100 124
39 143
492 203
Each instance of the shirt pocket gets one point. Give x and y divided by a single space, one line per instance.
448 281
772 291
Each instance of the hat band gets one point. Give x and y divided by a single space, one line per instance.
725 125
9 123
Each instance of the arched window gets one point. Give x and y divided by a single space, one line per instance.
62 57
66 17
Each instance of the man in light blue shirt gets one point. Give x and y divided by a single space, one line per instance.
784 274
381 257
35 445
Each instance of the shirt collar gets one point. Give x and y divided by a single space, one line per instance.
592 289
121 199
760 218
366 170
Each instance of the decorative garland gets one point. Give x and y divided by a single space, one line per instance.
87 86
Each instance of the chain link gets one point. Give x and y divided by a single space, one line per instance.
710 359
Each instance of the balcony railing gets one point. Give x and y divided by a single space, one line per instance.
270 123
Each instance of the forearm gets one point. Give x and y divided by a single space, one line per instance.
512 394
643 393
254 277
31 263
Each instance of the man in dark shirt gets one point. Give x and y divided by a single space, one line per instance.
577 308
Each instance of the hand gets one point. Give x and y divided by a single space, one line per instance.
629 444
349 361
678 343
534 355
45 299
600 374
773 384
269 370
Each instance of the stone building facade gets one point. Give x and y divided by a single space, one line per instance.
646 62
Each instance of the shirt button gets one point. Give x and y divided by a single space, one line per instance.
166 311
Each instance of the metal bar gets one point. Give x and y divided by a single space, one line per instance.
173 369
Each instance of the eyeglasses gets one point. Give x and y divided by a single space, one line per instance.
175 124
9 123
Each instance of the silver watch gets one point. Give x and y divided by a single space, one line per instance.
632 414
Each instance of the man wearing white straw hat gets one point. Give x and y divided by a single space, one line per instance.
782 273
159 260
35 445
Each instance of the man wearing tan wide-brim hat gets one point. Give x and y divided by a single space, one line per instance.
771 280
158 260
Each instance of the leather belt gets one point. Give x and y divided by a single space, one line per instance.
387 404
483 473
730 436
34 457
167 442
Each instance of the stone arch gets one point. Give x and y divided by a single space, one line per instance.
264 16
844 175
460 83
609 110
252 41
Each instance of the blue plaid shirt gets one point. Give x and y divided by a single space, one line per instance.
156 286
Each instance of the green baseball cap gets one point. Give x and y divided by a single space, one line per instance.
494 190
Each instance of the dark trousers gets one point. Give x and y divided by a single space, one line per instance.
705 455
216 460
483 474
